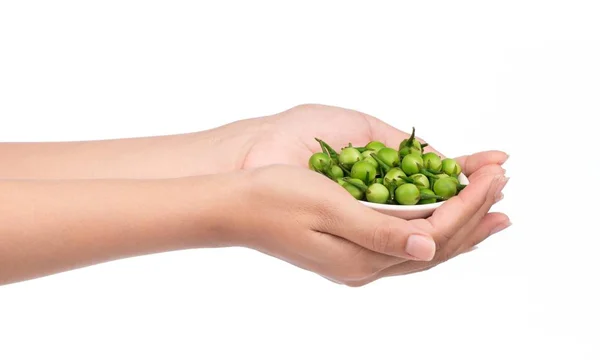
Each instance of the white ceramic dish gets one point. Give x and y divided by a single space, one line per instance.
409 212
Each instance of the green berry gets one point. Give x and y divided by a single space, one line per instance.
420 180
389 156
437 177
411 164
410 146
319 162
427 192
364 171
366 156
407 194
451 167
445 187
409 150
349 156
335 172
432 162
377 193
357 193
394 176
375 146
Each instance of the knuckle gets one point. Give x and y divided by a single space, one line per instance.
443 237
491 195
444 256
323 216
304 107
382 238
470 164
358 269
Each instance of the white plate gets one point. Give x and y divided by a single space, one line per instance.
409 212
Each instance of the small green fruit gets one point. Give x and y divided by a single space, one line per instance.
375 146
377 193
411 164
319 162
364 171
389 156
349 157
407 194
451 167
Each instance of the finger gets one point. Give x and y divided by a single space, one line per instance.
456 212
490 169
352 261
465 231
463 236
471 163
478 229
492 223
379 232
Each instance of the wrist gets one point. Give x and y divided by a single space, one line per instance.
225 148
230 209
216 207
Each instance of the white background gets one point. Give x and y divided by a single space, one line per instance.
520 76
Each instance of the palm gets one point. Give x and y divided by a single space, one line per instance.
290 136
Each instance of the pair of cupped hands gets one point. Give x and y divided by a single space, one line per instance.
308 220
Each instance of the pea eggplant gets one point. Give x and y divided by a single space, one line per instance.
377 172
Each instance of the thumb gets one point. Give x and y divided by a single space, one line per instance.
381 233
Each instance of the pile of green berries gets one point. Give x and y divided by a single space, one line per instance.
380 174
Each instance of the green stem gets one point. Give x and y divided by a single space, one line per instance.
409 143
392 189
427 172
359 148
407 179
429 197
324 149
346 171
385 167
332 153
355 182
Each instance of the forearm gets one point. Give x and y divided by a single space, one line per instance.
216 150
53 226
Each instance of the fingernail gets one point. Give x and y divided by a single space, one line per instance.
420 247
499 197
499 228
501 184
505 160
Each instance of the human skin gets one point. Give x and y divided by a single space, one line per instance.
103 203
282 138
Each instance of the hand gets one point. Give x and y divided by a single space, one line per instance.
289 137
467 215
310 221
